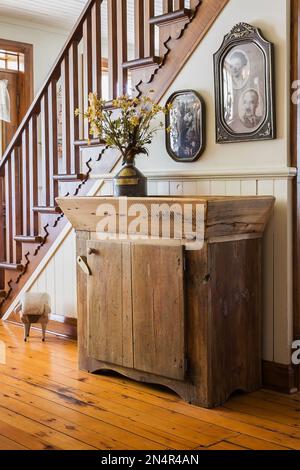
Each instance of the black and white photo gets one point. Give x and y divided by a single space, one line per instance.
185 124
244 86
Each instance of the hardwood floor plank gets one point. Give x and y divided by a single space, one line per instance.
55 439
24 438
157 417
39 389
224 445
84 428
195 431
279 413
7 444
149 410
264 418
253 443
43 392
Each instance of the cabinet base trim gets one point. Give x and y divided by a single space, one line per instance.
195 394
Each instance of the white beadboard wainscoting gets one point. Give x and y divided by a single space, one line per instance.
58 278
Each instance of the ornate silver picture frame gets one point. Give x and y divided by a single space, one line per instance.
244 86
185 123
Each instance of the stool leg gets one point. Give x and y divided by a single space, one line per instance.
44 325
26 331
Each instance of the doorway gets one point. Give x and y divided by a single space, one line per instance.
16 87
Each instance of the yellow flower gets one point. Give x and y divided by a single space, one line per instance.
134 121
93 100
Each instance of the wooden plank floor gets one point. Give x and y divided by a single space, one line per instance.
47 403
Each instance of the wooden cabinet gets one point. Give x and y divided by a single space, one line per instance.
155 311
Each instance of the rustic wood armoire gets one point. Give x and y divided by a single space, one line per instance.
181 308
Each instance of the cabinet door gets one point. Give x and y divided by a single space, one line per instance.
109 302
158 309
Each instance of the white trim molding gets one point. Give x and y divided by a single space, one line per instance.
251 173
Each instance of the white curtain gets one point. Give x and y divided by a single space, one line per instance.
4 101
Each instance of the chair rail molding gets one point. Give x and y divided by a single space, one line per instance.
228 173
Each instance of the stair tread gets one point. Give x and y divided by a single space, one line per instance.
172 16
29 239
47 210
11 266
69 177
145 62
90 143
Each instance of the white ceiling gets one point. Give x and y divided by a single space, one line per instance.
63 14
56 13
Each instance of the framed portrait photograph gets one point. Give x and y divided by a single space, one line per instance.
185 126
244 87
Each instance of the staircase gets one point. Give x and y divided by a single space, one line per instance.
116 47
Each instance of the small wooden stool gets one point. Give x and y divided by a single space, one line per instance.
34 308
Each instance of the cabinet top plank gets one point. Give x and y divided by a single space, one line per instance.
214 218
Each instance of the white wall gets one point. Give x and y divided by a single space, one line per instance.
255 168
273 18
47 43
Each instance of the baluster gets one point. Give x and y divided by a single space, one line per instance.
96 48
178 5
65 79
112 49
45 148
122 46
87 66
167 6
8 212
139 29
149 6
53 154
25 182
74 104
16 203
33 174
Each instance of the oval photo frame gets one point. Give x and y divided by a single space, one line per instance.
244 87
185 126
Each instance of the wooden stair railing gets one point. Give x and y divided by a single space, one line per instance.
43 159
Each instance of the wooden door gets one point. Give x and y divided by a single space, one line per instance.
158 309
109 302
8 129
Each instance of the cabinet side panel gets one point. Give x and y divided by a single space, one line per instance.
235 317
